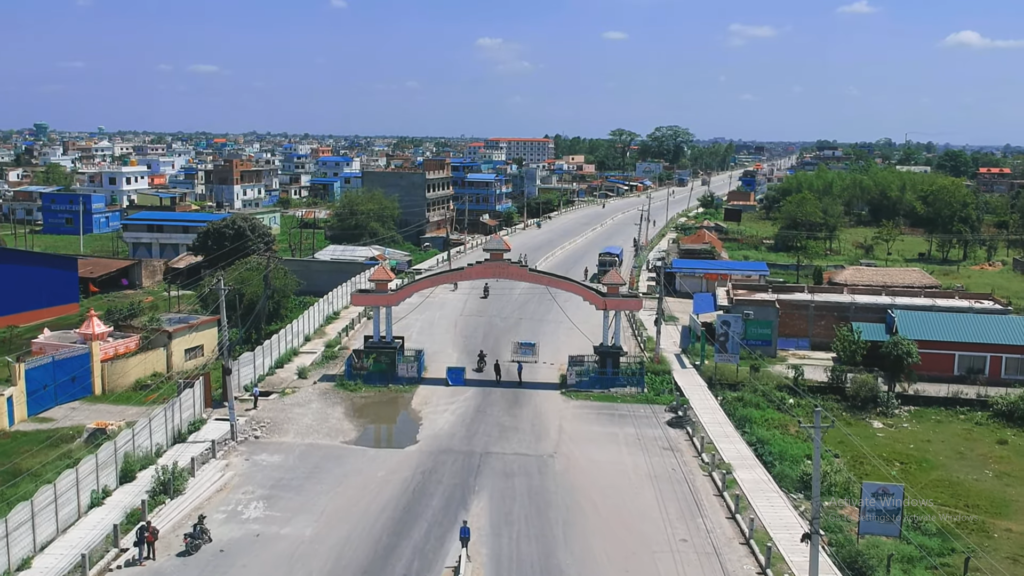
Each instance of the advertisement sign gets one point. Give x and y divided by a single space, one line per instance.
728 335
881 509
757 332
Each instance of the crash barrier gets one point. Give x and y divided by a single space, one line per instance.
718 470
35 523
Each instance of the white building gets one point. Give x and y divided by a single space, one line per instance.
529 149
123 149
103 150
150 149
121 184
6 155
335 166
297 164
55 155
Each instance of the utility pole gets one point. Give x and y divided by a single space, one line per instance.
659 317
647 234
817 429
465 227
668 195
639 229
225 355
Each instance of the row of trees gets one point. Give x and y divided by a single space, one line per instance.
816 206
623 148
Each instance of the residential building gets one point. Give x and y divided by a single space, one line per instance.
335 166
297 164
480 197
956 345
270 217
6 155
689 277
917 169
102 151
324 189
56 155
150 149
237 184
997 181
529 149
424 195
121 184
73 213
123 149
174 201
26 203
164 235
197 175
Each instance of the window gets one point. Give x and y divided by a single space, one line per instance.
1013 367
971 364
111 181
68 222
194 353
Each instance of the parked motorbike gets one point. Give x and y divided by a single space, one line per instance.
199 536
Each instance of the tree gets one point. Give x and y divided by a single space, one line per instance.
54 175
233 238
818 276
898 355
888 233
849 346
364 216
519 162
669 143
707 201
955 163
622 140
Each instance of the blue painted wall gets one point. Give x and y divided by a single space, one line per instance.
36 280
61 213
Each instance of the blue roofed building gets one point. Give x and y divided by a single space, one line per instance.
481 196
74 213
164 235
325 189
335 166
688 277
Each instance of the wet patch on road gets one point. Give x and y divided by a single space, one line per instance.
388 421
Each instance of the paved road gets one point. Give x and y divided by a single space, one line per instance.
550 486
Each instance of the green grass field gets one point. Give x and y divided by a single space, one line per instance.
34 458
105 245
744 243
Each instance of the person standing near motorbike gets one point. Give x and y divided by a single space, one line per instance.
140 542
497 372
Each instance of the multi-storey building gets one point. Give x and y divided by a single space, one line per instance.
78 213
119 183
296 163
164 235
335 166
150 149
481 196
529 149
235 184
424 193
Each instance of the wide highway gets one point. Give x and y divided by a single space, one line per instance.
549 485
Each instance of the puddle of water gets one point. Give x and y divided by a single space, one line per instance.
389 421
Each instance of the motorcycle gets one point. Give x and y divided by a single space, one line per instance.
487 291
199 536
481 362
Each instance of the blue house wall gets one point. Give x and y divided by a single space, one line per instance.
36 286
63 210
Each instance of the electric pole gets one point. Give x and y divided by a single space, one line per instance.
647 234
225 354
659 317
817 429
465 227
639 229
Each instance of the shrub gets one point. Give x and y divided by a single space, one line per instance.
1009 408
196 425
168 482
863 391
96 497
302 372
119 314
132 464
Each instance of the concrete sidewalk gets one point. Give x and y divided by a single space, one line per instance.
769 502
66 550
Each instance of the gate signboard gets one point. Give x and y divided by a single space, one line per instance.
525 351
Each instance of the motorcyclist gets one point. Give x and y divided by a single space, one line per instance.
455 285
200 531
586 273
487 289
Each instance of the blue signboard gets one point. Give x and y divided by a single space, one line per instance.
881 509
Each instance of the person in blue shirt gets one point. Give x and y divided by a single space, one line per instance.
464 537
519 372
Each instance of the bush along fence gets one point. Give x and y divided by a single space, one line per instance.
32 525
718 470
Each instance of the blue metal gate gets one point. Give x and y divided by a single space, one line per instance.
57 379
10 412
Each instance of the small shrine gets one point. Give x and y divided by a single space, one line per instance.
112 344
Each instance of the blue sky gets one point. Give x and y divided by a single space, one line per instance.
756 69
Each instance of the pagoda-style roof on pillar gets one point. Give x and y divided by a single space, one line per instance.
497 243
382 274
613 278
93 329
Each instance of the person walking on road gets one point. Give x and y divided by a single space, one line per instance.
497 372
140 541
152 535
256 397
519 372
464 537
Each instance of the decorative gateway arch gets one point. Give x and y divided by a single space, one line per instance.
611 301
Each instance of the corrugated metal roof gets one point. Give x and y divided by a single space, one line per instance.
164 217
478 176
99 267
871 332
718 267
960 328
334 159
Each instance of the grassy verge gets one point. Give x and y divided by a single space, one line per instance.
34 458
660 388
962 465
154 390
360 388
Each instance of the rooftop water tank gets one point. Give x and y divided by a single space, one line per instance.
133 162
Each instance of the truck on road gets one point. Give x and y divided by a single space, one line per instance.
608 258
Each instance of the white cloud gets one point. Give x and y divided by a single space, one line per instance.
615 35
204 69
165 67
74 64
339 3
798 89
504 56
740 34
747 97
972 39
412 84
858 7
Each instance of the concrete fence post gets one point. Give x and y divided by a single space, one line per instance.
85 564
117 536
194 466
700 447
144 507
736 499
725 480
768 556
713 461
750 527
213 449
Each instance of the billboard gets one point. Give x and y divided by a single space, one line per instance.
728 335
757 332
881 509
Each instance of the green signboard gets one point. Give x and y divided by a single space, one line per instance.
758 332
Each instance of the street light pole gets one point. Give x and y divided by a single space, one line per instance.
815 529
